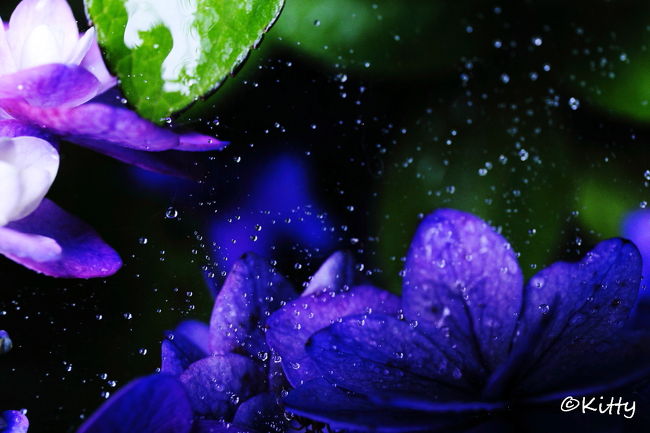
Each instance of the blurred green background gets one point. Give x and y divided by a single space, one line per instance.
533 115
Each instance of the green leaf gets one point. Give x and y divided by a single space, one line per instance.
168 53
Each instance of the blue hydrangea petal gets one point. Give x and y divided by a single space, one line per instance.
611 366
218 384
292 325
261 413
463 281
335 275
187 344
378 354
319 400
13 421
587 302
252 291
153 404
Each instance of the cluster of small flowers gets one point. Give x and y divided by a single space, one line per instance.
468 345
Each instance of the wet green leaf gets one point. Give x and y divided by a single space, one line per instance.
169 53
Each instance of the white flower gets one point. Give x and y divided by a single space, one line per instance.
42 32
28 166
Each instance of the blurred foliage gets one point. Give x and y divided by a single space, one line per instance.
414 37
607 66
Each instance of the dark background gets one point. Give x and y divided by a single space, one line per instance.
392 109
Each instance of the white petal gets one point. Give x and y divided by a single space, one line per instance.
9 188
40 48
28 166
54 14
7 62
94 62
83 46
25 245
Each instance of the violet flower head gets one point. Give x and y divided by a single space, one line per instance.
471 346
234 380
226 367
13 421
49 74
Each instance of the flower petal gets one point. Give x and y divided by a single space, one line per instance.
12 421
82 47
53 85
462 280
261 413
336 274
194 142
292 325
588 302
187 344
100 123
23 246
16 128
84 254
8 64
376 354
619 364
153 404
320 401
94 62
31 16
211 426
636 228
217 384
251 292
28 166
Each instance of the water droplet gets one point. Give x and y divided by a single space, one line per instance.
171 213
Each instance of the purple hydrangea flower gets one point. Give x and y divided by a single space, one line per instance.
471 344
233 379
13 421
226 367
49 74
